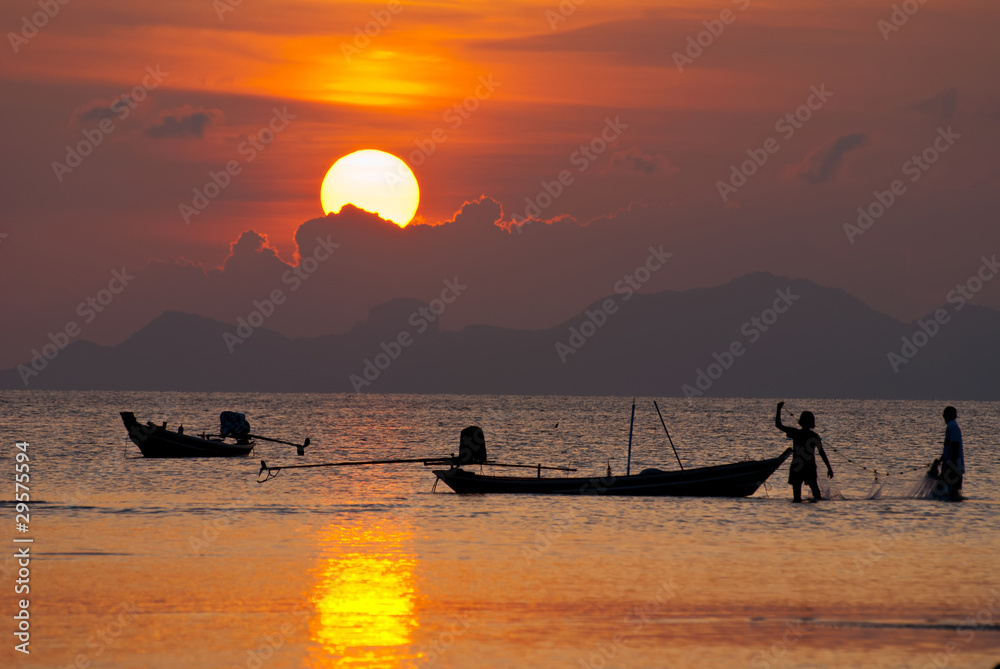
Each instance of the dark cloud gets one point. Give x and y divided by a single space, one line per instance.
248 248
97 111
942 105
344 264
179 123
655 40
822 164
635 160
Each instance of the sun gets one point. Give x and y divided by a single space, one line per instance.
375 181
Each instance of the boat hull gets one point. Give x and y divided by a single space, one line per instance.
158 442
739 479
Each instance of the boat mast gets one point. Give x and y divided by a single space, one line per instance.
668 434
628 463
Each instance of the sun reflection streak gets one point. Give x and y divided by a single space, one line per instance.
365 598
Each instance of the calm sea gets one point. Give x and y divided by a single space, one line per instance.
187 563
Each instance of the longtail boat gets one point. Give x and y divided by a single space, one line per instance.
738 479
156 441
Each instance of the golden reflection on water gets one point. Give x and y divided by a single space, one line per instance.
365 598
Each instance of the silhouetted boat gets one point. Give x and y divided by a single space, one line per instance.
156 441
739 479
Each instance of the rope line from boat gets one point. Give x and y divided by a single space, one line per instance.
271 473
873 470
451 461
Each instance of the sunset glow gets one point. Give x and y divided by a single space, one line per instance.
393 234
375 181
365 597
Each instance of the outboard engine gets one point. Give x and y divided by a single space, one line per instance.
232 424
472 446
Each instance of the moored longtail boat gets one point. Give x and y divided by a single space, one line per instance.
738 479
156 441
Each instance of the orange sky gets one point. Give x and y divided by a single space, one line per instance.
555 80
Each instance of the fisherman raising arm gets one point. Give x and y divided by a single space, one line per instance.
805 443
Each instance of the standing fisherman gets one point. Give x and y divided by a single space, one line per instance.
952 461
805 443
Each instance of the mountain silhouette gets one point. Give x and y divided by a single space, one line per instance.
760 335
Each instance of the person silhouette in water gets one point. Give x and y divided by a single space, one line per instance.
805 443
952 460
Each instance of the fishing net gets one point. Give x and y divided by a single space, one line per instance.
925 486
830 490
887 484
878 490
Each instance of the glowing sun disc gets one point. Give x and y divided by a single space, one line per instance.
375 181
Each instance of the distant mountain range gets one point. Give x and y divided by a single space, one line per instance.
758 336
